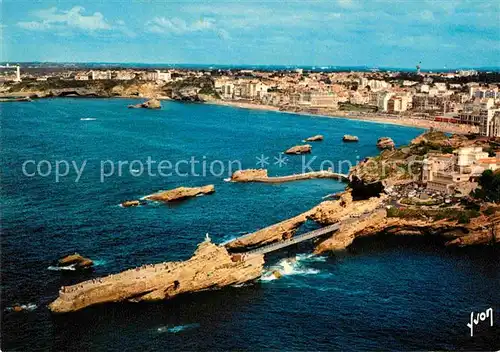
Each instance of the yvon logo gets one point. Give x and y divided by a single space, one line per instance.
488 314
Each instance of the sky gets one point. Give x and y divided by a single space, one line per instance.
382 33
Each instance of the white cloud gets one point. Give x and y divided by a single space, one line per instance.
346 3
55 19
34 26
178 26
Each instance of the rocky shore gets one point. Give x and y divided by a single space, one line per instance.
196 89
370 206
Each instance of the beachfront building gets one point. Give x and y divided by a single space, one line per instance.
484 114
430 104
398 104
315 100
382 101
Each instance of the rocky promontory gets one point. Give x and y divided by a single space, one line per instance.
299 149
211 267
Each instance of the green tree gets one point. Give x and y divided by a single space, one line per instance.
490 186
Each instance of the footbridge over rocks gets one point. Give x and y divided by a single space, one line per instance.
294 240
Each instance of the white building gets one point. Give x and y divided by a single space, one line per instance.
164 76
100 74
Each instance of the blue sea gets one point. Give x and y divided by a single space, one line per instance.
384 294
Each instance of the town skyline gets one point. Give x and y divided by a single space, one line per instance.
349 33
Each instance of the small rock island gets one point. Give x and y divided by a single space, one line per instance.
150 104
299 149
316 138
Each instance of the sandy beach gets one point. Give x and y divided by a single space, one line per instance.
401 121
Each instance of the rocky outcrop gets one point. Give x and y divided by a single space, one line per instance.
385 143
180 193
316 138
130 203
248 175
344 208
369 218
299 149
150 104
211 267
260 175
277 232
349 138
193 89
76 261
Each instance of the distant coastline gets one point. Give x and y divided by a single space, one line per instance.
366 117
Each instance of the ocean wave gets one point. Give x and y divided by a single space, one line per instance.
88 119
62 268
22 307
228 179
99 262
177 328
292 266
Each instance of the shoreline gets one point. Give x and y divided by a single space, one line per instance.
365 117
401 121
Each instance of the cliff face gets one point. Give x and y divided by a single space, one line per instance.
210 267
194 89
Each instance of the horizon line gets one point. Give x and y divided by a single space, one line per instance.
318 66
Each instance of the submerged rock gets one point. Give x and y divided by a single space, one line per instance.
316 138
75 260
277 274
150 104
180 193
299 149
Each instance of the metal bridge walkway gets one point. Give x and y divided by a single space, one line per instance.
296 239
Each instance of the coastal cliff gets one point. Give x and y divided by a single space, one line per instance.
195 89
211 267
